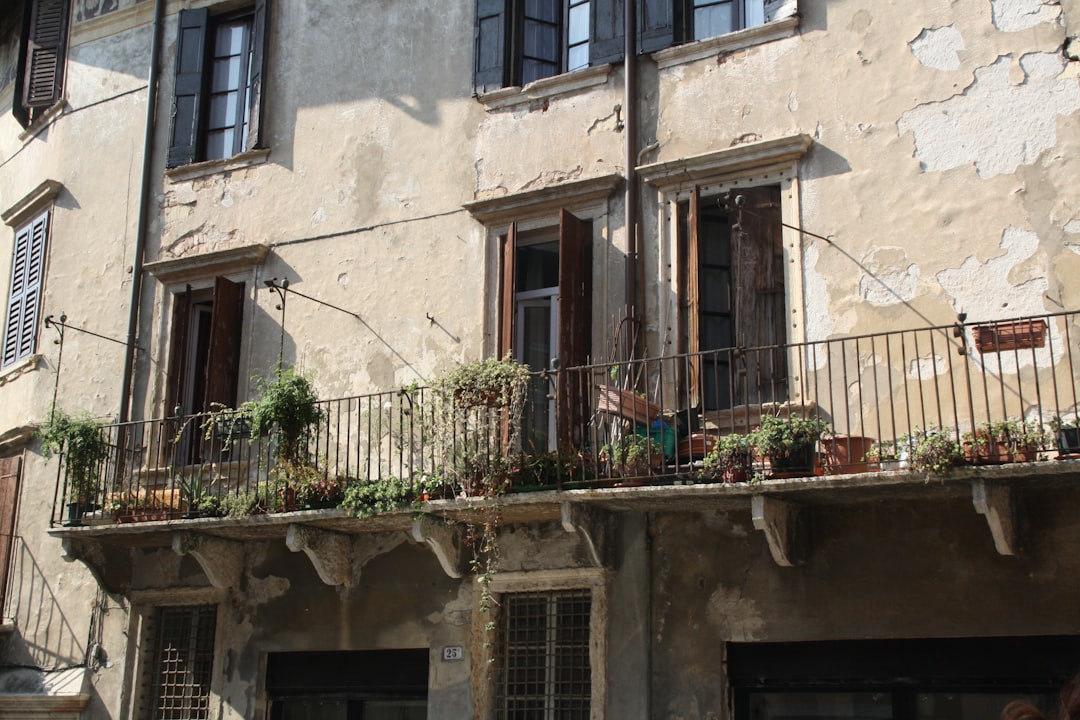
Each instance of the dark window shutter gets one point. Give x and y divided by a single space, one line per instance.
606 42
575 324
223 364
46 43
489 71
178 351
656 25
693 298
258 71
27 273
507 292
188 91
9 498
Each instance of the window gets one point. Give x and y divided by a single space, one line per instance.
218 90
663 23
39 80
183 662
543 666
545 317
24 296
519 41
732 296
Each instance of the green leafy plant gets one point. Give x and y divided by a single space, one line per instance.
84 446
241 503
731 459
633 455
198 494
368 498
789 443
1005 440
935 450
485 383
287 401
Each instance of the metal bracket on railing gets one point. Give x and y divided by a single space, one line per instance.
958 332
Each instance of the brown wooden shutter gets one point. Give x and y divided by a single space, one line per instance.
9 503
46 44
260 27
693 299
223 364
178 350
188 89
575 325
507 291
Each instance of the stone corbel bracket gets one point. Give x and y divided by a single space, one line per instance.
330 552
110 566
784 526
446 540
221 560
998 504
595 528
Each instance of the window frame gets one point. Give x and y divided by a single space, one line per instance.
192 83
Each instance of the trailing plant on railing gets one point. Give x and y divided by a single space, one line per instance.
935 450
367 498
288 402
489 383
84 446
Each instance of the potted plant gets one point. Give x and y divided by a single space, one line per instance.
789 443
633 456
198 497
287 402
731 459
890 454
368 498
1066 435
1005 441
935 450
846 454
485 383
84 446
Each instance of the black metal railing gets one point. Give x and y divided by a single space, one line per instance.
648 420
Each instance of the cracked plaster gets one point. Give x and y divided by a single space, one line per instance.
938 48
1000 285
995 124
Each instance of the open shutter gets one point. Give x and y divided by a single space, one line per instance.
575 326
489 72
507 291
178 352
606 41
777 9
656 25
223 364
24 299
9 498
46 44
188 92
258 71
693 298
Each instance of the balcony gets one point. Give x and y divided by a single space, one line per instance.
979 410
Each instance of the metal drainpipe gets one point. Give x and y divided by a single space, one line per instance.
143 220
630 92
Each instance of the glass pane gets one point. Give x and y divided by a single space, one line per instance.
546 10
755 13
229 40
577 57
395 710
712 21
226 74
715 290
223 110
219 144
537 266
577 30
541 41
535 352
975 706
822 706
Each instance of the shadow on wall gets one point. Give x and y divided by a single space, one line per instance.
33 605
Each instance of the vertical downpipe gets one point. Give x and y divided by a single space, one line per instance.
143 219
630 91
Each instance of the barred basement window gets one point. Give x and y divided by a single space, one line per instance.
183 662
543 663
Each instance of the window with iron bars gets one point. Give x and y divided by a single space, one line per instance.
544 671
183 662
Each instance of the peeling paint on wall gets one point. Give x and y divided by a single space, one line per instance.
890 279
1016 15
938 48
997 287
927 367
735 617
996 124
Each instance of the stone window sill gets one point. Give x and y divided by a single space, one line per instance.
212 167
546 88
738 40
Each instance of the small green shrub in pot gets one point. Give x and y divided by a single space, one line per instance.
632 456
935 450
84 446
485 383
288 402
789 443
731 459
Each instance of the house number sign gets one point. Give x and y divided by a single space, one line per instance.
452 652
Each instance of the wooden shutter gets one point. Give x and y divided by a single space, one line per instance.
24 299
223 364
9 499
507 291
656 25
178 350
188 91
575 325
258 71
693 298
489 71
46 44
777 9
606 39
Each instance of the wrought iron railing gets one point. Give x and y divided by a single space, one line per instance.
883 388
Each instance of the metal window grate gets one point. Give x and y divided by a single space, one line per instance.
544 670
184 661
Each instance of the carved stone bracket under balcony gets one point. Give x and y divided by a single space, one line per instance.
595 527
330 552
110 565
221 560
784 526
998 504
446 540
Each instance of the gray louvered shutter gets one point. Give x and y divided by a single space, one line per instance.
188 91
27 272
656 25
489 72
258 71
606 43
46 43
